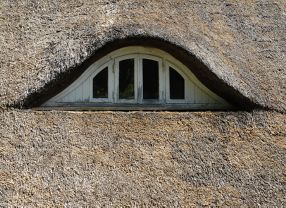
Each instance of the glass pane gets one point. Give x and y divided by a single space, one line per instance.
100 84
177 85
150 79
126 79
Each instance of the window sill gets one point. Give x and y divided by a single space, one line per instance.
132 107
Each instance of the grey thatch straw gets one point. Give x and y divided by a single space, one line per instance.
143 159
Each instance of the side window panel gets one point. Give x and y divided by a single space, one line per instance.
100 84
177 85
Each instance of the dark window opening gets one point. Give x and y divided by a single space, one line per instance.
126 79
100 84
150 79
177 85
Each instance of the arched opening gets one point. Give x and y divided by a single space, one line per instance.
137 77
195 65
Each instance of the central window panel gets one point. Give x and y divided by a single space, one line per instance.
126 79
150 79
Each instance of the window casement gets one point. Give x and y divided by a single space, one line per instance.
137 78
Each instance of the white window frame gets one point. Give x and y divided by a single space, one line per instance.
161 80
186 85
116 81
164 81
109 67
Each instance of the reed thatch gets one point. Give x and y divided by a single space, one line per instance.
163 159
65 159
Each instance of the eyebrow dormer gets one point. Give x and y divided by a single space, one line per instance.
137 78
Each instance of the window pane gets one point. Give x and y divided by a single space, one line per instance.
150 79
126 79
177 85
100 84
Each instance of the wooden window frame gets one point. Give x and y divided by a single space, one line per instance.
110 80
115 88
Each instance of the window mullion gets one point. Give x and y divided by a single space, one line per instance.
167 81
163 81
116 81
113 81
187 91
139 79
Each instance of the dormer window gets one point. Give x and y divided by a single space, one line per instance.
138 78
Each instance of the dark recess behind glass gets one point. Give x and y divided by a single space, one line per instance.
126 79
150 79
177 85
100 84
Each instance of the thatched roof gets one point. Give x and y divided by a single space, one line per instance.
143 159
241 43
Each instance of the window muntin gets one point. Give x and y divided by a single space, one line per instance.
80 92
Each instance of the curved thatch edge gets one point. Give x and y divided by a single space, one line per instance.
199 68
